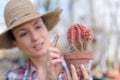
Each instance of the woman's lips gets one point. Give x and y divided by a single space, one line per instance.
38 46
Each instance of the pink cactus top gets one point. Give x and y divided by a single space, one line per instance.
78 36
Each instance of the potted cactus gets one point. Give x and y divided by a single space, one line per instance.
78 37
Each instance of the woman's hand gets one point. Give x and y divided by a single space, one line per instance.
54 60
53 67
73 75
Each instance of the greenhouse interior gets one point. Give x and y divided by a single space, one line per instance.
102 17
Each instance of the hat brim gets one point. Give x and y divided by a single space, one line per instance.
51 18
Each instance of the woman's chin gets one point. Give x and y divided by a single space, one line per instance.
37 55
41 53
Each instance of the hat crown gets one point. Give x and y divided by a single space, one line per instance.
16 9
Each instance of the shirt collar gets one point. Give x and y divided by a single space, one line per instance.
31 67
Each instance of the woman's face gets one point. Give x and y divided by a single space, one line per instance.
32 38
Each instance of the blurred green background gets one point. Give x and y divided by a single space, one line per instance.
102 16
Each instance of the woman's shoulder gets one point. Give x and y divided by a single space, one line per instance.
14 73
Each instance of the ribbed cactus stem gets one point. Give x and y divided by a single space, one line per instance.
85 43
78 37
80 45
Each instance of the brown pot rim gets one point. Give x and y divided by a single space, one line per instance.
79 55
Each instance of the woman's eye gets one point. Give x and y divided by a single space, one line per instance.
37 27
23 34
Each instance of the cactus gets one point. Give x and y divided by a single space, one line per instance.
78 37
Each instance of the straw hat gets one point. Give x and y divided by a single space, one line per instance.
18 12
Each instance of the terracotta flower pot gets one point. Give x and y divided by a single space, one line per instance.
77 58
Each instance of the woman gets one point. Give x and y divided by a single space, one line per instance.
28 30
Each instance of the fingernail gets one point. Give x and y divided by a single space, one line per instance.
72 65
82 66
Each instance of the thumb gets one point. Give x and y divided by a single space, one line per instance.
54 43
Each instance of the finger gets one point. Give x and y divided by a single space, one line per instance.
56 61
54 56
49 69
48 62
84 72
48 56
73 72
54 43
68 76
54 50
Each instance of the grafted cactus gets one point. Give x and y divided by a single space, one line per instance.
78 37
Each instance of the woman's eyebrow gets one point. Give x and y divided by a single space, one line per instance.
19 30
37 21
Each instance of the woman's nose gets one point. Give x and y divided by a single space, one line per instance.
35 35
